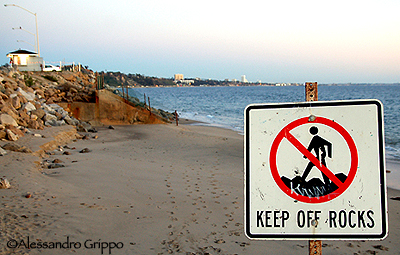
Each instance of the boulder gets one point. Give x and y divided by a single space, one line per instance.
85 127
69 77
2 152
10 84
54 123
48 109
4 184
58 115
49 117
6 119
16 130
39 113
71 121
34 124
3 134
55 165
9 109
28 107
38 105
39 93
30 90
23 118
53 99
22 122
16 102
11 136
16 148
3 96
55 107
50 92
85 150
11 72
8 91
22 99
28 95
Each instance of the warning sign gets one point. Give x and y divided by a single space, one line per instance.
315 170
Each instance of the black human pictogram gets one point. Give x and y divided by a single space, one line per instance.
318 144
314 187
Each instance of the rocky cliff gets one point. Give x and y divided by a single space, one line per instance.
31 100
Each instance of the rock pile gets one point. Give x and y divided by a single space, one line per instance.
28 100
71 92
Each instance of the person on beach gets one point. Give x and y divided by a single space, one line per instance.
176 117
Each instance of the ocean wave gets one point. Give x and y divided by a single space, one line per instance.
224 106
392 153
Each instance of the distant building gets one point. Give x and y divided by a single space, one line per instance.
25 60
178 77
244 80
187 82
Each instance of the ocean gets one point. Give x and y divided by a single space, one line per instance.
224 106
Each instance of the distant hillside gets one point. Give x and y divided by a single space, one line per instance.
116 79
135 80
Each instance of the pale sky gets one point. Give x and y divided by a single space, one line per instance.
272 41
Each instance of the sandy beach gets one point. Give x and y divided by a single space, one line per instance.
146 189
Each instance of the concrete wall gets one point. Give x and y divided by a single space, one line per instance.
34 64
111 109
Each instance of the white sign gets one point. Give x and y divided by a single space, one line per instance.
315 170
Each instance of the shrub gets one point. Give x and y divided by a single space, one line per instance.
29 81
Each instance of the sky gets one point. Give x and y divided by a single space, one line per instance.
286 41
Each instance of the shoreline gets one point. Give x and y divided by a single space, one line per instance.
158 189
392 165
393 174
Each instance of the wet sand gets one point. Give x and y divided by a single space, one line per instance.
153 189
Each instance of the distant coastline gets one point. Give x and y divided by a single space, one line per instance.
258 85
118 80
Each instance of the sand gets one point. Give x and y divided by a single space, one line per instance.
146 189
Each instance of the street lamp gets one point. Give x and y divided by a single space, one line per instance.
27 32
26 42
37 33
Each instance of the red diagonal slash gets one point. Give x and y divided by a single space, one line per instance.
313 159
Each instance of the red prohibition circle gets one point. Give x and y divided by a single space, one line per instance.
285 133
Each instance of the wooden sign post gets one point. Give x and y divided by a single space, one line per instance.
314 246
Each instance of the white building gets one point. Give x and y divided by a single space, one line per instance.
25 60
244 80
178 77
